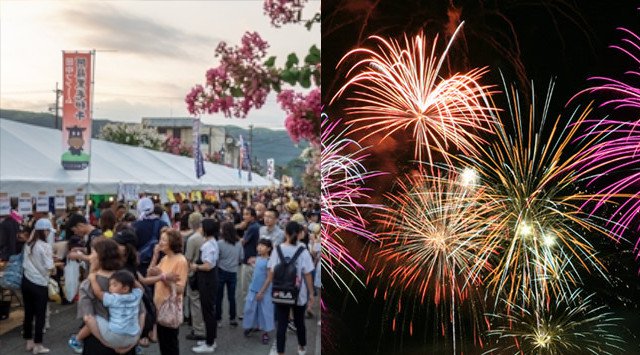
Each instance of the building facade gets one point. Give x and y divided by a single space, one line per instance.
212 138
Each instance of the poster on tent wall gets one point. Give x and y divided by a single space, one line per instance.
60 200
76 110
25 204
42 202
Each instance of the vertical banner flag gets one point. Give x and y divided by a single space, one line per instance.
242 154
245 158
270 169
76 110
197 153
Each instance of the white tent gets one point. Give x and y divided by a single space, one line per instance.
30 162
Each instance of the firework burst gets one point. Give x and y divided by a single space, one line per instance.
611 156
619 151
342 179
571 325
401 86
534 205
434 231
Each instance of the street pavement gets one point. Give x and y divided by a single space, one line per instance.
230 340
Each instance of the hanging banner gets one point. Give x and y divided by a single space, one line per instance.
25 204
42 202
270 169
76 110
197 153
5 204
245 158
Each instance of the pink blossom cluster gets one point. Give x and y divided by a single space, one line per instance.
214 157
303 115
240 68
174 146
282 12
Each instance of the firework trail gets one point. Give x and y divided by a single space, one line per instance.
401 86
533 204
571 325
342 179
619 151
434 230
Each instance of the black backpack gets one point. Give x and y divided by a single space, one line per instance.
285 289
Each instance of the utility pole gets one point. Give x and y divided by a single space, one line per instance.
250 141
56 107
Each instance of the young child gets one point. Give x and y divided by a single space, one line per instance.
123 300
258 308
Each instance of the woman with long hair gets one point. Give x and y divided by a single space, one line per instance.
107 222
166 273
105 259
230 259
37 265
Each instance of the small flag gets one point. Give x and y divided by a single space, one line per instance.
242 154
197 153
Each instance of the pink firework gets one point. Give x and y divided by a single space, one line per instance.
400 86
617 143
342 179
612 156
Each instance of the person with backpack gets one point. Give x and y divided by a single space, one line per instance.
147 229
290 267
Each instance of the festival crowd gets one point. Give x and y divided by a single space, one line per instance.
137 274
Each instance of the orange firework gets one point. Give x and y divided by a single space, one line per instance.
434 232
400 87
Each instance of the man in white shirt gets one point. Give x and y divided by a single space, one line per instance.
270 230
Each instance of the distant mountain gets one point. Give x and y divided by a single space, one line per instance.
267 143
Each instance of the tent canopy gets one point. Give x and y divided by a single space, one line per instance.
30 162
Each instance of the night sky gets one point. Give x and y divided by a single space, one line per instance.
534 40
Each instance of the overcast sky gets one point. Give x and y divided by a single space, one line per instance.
157 51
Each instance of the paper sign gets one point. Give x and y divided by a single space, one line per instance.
5 205
42 202
60 203
25 204
131 192
79 199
